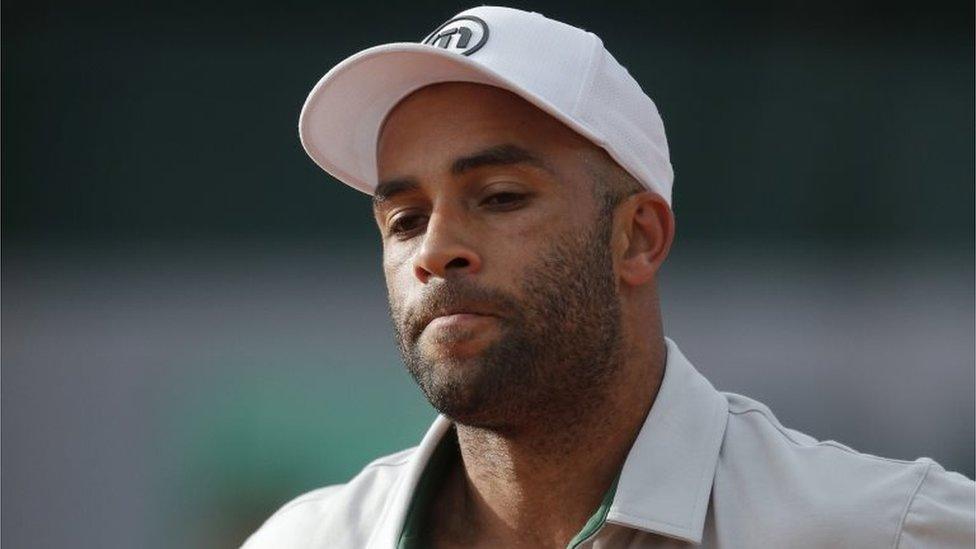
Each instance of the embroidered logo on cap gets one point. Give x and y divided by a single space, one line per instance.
465 35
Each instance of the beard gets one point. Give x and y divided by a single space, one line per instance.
556 350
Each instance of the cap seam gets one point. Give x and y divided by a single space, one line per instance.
588 77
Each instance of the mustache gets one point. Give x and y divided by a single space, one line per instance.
454 296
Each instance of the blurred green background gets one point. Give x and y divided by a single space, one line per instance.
194 319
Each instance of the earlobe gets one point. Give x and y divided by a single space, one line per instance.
650 230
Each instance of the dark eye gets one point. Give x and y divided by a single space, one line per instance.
406 224
503 200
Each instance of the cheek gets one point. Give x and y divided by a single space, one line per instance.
523 239
395 257
508 256
397 270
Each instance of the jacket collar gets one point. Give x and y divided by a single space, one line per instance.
666 481
392 518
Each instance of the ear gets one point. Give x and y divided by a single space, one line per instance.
645 233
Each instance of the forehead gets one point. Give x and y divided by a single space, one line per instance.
444 121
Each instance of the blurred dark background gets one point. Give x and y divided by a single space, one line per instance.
194 321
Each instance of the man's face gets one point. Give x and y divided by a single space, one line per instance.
496 255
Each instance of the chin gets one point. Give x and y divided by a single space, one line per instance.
467 376
460 388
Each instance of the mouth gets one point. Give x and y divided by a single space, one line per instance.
456 319
456 316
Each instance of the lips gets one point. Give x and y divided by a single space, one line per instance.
427 317
455 311
453 298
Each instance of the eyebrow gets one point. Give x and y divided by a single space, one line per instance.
498 155
388 189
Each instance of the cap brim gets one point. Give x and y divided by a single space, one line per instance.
340 122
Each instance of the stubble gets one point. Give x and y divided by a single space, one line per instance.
557 350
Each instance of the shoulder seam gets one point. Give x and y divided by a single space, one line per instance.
315 495
908 504
397 458
394 464
824 443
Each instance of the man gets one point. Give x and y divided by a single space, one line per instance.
521 186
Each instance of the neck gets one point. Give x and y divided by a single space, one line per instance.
537 485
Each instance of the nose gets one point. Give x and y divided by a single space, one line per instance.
444 252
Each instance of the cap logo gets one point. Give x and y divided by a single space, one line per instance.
465 35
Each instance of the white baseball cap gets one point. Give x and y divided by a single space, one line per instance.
563 70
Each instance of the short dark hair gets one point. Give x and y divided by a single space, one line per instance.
611 183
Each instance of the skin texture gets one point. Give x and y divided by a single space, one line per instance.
520 264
